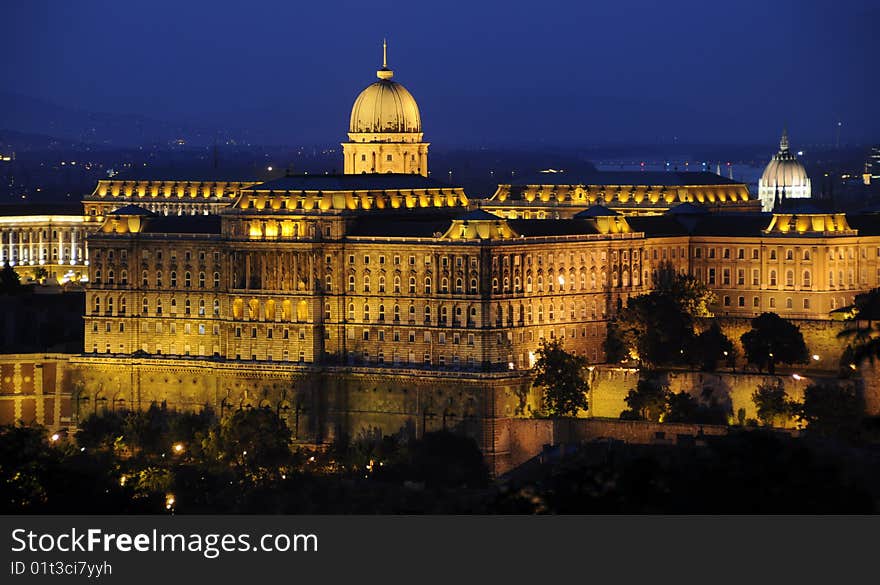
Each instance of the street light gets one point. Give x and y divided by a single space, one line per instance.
178 448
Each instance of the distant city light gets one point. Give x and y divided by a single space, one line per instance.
797 376
815 357
269 169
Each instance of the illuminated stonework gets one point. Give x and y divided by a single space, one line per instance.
47 243
553 195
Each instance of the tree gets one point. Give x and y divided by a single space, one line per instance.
773 404
832 410
654 328
691 294
445 459
713 346
10 283
561 375
863 327
255 439
648 401
658 327
773 340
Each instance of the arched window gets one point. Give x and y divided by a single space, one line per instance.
122 305
351 311
789 278
412 285
381 312
201 280
187 279
459 285
444 285
807 279
216 280
97 304
186 307
397 284
806 255
788 303
216 307
397 312
173 278
111 279
473 285
123 277
145 306
366 283
159 279
427 314
381 284
109 305
366 312
145 279
772 278
202 307
427 285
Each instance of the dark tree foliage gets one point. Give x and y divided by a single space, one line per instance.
712 347
101 430
561 375
832 410
256 439
746 472
773 340
684 408
658 327
10 283
445 459
862 329
773 405
648 401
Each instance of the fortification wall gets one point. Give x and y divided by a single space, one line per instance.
36 389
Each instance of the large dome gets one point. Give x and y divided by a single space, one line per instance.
385 107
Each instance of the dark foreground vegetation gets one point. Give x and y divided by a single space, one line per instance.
161 461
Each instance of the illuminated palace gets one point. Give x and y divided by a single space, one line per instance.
384 298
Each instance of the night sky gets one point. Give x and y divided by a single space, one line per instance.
500 73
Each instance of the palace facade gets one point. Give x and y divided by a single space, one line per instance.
384 298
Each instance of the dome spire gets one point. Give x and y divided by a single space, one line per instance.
783 142
384 73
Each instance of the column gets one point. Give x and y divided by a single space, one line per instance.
73 246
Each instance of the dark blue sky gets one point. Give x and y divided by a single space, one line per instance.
483 72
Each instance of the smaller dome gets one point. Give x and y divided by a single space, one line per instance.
784 169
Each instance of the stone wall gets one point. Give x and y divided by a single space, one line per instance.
820 337
527 438
36 389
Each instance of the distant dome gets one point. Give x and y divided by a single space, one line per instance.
385 107
785 177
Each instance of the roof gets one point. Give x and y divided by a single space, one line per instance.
653 178
687 208
388 225
536 228
182 224
131 210
867 224
352 182
13 209
479 215
596 211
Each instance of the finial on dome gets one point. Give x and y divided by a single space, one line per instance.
783 142
384 73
